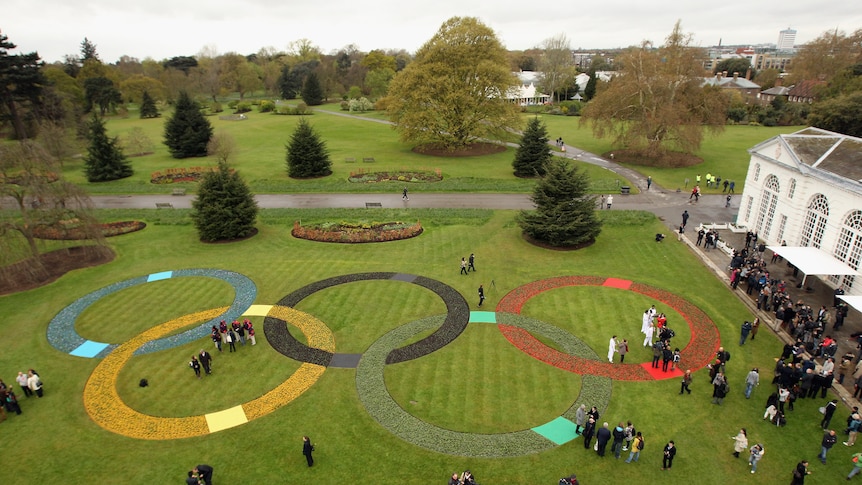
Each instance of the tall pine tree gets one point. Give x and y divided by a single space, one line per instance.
307 155
148 106
565 213
312 94
105 159
188 131
225 208
533 153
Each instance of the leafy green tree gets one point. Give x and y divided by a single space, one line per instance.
312 94
105 160
101 92
739 65
292 79
453 93
590 88
842 114
148 106
188 131
21 84
307 155
565 212
225 208
658 101
557 65
533 153
826 56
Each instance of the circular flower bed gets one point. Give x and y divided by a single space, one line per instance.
362 177
346 232
71 230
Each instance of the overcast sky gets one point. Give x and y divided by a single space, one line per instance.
162 29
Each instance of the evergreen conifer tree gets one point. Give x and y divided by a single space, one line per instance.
565 212
148 106
307 155
225 208
188 131
533 153
312 94
590 88
105 159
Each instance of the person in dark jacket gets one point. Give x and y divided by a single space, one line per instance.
205 472
589 431
603 435
619 433
307 448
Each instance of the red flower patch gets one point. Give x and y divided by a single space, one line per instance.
699 352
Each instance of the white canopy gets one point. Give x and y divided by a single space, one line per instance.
812 260
853 300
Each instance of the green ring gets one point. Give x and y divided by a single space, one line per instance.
371 387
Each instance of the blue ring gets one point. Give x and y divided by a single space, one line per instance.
63 337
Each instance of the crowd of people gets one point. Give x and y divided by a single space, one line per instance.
30 384
223 335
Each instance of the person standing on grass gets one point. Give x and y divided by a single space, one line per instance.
800 472
195 366
481 295
744 331
307 448
619 434
650 329
755 454
612 347
589 431
603 435
686 381
22 381
857 465
637 446
470 263
853 429
205 472
463 266
623 349
829 440
216 336
740 442
752 380
34 382
668 455
828 412
580 418
205 360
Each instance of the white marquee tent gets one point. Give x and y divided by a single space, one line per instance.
813 261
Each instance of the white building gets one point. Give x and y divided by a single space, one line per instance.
786 39
527 94
806 188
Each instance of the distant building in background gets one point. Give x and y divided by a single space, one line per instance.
786 39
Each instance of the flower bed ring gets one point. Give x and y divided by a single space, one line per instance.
105 407
371 386
63 336
699 352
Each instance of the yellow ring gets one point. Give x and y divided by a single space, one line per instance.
107 409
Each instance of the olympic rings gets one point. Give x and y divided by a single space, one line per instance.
457 316
699 351
62 334
371 385
104 405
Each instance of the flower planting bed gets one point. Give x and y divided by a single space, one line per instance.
175 175
67 232
344 232
362 177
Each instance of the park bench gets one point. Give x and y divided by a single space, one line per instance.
369 205
179 192
164 205
367 159
349 160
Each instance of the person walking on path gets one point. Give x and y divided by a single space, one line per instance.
684 218
755 454
740 443
829 439
853 429
648 184
602 203
800 472
463 266
404 194
752 380
481 295
610 201
727 202
669 453
470 262
307 448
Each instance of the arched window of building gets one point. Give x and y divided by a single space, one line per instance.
768 201
792 190
849 246
815 221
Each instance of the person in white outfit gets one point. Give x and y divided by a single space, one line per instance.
649 334
612 347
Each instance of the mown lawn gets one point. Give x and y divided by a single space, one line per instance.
479 383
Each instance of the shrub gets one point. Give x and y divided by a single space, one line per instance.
243 107
345 106
266 106
216 107
232 103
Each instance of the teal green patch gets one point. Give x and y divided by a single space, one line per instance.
560 430
483 317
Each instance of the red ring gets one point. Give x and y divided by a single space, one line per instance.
698 353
